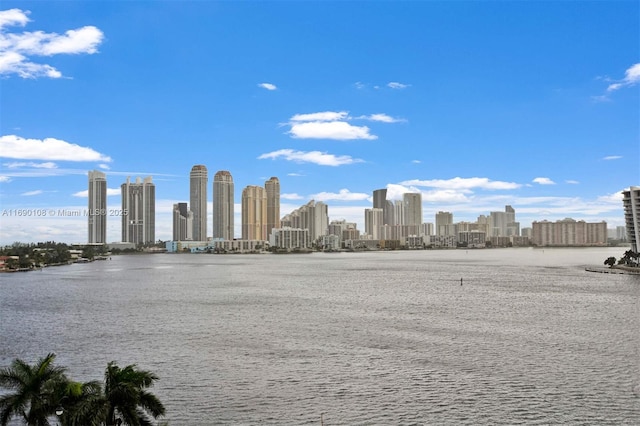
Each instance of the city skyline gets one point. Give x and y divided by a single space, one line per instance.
474 105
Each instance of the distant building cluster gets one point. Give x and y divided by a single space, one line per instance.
389 224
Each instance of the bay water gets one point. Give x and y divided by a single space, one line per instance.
435 337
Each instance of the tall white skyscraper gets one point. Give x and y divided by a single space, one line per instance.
503 224
97 213
139 211
373 220
631 205
223 205
444 222
182 222
412 209
198 201
272 186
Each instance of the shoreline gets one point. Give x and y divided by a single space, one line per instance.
617 269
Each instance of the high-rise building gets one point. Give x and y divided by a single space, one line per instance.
412 209
97 213
313 216
380 202
223 214
444 222
254 213
631 204
139 211
182 222
198 201
373 219
379 198
503 224
569 232
272 186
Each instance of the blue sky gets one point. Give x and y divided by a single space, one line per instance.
475 104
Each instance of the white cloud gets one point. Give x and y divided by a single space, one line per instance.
384 118
543 181
13 17
572 182
359 85
463 183
15 48
339 130
315 157
416 161
396 85
16 164
612 157
268 86
291 197
631 77
110 192
31 193
104 166
342 195
13 146
321 116
295 174
5 179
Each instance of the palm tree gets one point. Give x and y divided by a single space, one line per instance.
34 397
81 404
126 397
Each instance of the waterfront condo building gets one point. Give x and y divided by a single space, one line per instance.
254 213
631 204
272 186
313 216
223 206
97 214
569 232
182 222
373 221
444 224
412 202
198 201
138 211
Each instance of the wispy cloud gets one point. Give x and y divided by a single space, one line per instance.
416 161
383 118
396 85
334 125
315 157
295 174
85 193
543 181
342 195
16 164
572 182
31 193
268 86
322 116
631 77
16 48
463 183
612 157
12 146
291 197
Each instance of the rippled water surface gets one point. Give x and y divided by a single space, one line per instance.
388 338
